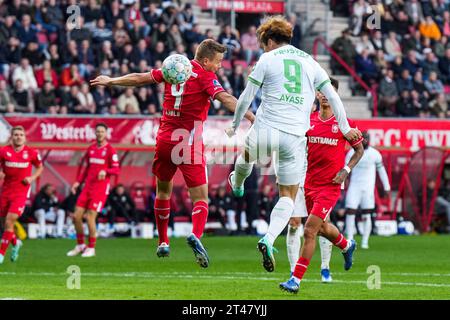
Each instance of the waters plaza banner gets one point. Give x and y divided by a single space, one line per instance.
387 133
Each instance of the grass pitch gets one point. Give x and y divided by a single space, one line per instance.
414 267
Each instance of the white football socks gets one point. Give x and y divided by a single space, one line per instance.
325 252
367 228
350 226
293 244
279 218
242 170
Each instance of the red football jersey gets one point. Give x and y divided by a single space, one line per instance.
16 167
97 159
326 150
186 104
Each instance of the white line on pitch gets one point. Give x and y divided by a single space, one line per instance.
217 277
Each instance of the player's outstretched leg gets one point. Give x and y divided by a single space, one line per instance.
89 252
162 214
78 222
8 235
279 218
347 247
293 242
325 254
236 179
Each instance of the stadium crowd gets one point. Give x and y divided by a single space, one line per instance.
46 63
408 58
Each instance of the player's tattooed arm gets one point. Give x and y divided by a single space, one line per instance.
343 173
129 80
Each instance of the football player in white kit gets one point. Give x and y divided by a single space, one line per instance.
289 79
361 190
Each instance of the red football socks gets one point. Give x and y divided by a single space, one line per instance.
300 268
340 242
80 239
199 217
92 241
6 239
162 214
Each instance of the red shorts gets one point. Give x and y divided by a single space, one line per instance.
93 197
169 157
320 201
12 205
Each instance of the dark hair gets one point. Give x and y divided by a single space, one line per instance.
335 83
276 28
208 49
101 124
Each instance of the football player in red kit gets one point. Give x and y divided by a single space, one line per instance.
102 163
179 143
17 161
325 174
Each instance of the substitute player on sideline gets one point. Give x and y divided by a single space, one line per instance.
102 163
361 190
17 161
289 79
179 143
326 172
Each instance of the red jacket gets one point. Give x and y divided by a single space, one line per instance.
41 80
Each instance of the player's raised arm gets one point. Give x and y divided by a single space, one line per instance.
382 173
129 80
231 103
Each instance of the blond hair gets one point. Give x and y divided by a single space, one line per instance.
208 49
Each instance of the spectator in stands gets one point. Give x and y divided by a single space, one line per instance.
430 63
429 29
24 72
388 94
46 74
169 15
366 67
411 41
401 23
128 98
405 81
414 11
412 63
27 31
404 105
6 99
162 35
392 47
100 32
147 102
71 77
87 102
439 106
218 207
141 52
23 101
419 85
360 9
160 52
46 207
419 104
151 15
71 101
8 29
377 41
102 99
92 13
78 31
120 204
434 85
186 19
230 40
55 58
137 31
175 37
446 23
380 61
112 13
237 81
46 99
53 14
444 67
266 202
250 45
296 31
345 49
120 35
365 44
194 35
71 53
33 54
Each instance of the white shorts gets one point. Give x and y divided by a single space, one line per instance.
359 197
287 151
300 210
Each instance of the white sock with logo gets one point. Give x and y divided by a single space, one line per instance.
349 226
242 170
293 244
367 228
279 218
325 252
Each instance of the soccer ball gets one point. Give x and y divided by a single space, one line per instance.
176 69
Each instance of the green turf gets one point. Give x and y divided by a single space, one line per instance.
415 267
